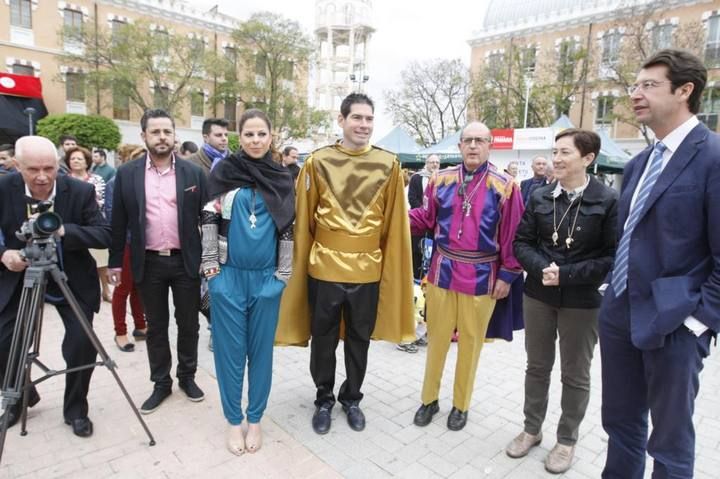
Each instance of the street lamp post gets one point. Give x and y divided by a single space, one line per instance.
359 80
528 87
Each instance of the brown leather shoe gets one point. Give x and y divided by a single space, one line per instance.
559 459
521 445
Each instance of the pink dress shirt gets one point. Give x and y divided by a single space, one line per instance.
161 215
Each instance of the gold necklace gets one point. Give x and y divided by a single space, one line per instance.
569 240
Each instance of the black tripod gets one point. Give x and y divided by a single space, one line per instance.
41 255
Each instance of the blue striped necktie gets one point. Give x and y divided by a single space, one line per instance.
620 271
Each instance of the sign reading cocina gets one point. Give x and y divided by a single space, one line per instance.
534 139
502 138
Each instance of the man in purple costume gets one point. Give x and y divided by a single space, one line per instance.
472 210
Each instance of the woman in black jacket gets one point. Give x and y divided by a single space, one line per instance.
566 244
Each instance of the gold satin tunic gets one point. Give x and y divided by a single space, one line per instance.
351 227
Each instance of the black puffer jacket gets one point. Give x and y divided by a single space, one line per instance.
584 265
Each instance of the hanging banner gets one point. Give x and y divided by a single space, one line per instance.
534 139
502 138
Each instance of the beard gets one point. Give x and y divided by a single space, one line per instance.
159 150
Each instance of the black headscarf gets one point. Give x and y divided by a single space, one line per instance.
272 180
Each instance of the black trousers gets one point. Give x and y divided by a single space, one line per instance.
164 273
356 304
416 256
77 351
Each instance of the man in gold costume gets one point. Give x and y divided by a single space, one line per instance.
352 271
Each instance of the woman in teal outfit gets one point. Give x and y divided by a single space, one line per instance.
247 257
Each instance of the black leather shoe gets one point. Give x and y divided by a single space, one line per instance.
191 390
154 401
82 427
138 334
322 419
425 413
13 411
355 417
457 419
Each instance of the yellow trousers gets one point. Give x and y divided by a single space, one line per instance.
446 311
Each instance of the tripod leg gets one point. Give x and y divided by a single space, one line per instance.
37 301
26 322
61 281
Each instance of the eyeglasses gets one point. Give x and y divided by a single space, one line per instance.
480 140
645 85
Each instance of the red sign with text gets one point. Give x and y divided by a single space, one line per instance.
502 138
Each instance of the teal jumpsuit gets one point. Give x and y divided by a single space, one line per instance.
245 300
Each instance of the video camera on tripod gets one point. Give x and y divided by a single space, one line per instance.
38 232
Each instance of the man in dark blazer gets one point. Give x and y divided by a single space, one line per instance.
539 167
84 227
662 305
416 193
158 199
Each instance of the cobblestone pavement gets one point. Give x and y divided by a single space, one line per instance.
190 436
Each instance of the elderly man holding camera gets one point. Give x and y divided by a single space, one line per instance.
84 227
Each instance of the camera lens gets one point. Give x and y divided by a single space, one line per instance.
47 223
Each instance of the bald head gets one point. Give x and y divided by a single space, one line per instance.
475 144
38 163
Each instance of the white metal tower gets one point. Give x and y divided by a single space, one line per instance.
342 30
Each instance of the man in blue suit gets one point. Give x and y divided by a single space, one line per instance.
662 305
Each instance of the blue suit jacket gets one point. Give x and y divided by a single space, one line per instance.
674 263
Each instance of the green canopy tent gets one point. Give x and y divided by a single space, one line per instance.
402 144
612 158
447 149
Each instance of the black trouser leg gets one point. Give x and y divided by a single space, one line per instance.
77 350
417 256
186 297
360 313
154 293
325 301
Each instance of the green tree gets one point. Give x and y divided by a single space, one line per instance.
507 79
124 59
90 130
431 100
642 33
276 52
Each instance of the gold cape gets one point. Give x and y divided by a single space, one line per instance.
351 226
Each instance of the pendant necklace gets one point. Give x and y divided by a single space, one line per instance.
467 198
252 217
571 228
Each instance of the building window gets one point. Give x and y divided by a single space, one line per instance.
231 56
661 37
527 59
712 47
19 69
197 103
161 94
260 65
710 107
121 105
73 20
75 87
162 43
288 68
495 62
611 48
116 31
567 58
21 13
230 113
604 111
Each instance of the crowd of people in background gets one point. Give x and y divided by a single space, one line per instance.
344 245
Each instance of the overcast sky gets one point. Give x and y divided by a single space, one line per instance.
406 30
